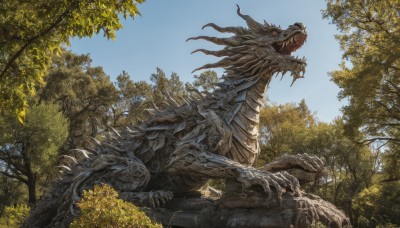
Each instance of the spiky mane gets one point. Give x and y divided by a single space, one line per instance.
246 53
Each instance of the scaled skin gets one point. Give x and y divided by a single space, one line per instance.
178 149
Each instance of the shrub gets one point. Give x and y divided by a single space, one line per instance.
101 207
378 205
14 215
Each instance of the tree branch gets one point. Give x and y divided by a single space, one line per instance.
14 177
30 41
369 141
390 180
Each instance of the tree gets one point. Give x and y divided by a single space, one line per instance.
371 81
351 166
32 30
164 86
83 93
28 151
281 124
206 81
133 99
11 192
293 129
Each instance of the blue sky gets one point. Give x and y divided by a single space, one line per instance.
157 39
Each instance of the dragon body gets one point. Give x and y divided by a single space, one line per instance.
178 149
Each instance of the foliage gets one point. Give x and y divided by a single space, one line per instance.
84 94
11 192
390 164
28 151
101 207
32 30
92 102
378 205
279 125
133 100
350 165
14 215
44 130
293 129
206 80
163 87
371 82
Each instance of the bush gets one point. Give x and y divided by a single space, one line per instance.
101 207
14 216
378 205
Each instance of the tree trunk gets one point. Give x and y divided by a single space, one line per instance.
31 177
32 188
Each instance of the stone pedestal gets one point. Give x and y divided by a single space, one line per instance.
252 209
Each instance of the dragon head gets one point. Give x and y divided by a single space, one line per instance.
259 50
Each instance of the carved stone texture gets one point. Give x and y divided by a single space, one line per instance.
233 211
304 167
177 150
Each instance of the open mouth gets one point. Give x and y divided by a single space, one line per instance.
291 44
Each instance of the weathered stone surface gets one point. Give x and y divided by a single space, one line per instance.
299 211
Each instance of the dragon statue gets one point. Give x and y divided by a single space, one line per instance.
178 149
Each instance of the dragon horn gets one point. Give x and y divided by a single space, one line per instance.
253 25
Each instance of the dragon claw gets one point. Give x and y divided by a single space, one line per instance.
281 181
306 162
159 198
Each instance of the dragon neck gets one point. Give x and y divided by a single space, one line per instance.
243 119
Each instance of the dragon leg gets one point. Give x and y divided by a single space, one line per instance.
304 167
200 163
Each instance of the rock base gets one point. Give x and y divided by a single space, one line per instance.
249 211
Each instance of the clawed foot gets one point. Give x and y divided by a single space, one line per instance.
281 181
306 162
160 198
150 199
